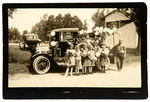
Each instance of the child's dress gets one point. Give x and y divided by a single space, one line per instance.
70 59
86 61
104 53
92 57
78 60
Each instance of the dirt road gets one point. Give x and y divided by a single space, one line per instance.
130 76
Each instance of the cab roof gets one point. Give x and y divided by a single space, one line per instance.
66 29
30 34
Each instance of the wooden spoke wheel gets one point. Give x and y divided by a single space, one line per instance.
41 64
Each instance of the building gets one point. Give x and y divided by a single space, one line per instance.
125 26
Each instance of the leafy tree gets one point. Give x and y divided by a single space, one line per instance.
11 11
59 21
97 18
24 32
14 34
48 23
85 25
41 27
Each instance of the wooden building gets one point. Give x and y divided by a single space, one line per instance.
126 29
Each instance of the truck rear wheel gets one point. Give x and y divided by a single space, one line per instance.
41 64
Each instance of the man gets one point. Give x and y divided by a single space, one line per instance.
120 53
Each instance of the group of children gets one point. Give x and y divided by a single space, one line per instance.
82 59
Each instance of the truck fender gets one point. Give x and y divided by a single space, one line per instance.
46 55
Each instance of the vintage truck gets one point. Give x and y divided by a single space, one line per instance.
53 55
45 57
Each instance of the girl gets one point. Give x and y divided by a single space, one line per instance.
70 60
103 60
78 61
86 60
92 58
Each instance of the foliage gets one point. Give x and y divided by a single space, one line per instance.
97 18
14 34
85 25
48 23
24 32
11 11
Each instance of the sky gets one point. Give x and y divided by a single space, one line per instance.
24 19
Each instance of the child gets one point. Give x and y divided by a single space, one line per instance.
92 58
103 60
85 59
78 61
70 60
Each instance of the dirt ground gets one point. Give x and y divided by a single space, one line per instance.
130 76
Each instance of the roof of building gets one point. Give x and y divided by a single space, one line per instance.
127 18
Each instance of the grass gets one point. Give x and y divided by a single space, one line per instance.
18 60
16 68
18 56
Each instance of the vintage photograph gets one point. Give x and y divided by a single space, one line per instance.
74 47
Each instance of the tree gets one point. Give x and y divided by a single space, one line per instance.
14 34
41 28
59 21
11 11
135 15
85 25
48 23
97 18
24 32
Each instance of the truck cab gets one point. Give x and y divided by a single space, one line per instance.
59 41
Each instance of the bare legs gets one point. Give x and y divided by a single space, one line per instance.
67 71
90 69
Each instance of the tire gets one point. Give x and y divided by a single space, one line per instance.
41 65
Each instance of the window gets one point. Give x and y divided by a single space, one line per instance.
69 36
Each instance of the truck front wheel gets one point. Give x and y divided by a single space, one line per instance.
41 64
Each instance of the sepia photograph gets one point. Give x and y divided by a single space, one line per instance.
47 39
74 47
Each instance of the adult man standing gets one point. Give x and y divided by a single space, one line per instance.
120 53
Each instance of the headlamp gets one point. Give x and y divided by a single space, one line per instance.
52 33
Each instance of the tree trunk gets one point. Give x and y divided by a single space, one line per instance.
139 45
138 29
